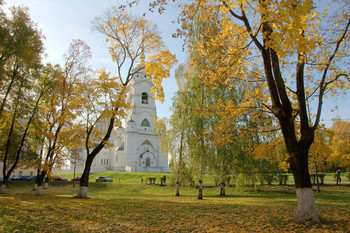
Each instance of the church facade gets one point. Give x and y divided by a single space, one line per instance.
136 147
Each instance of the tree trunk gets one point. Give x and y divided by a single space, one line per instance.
222 183
306 202
177 191
84 180
40 179
306 205
83 192
4 183
200 190
298 160
39 191
46 182
36 180
2 188
222 189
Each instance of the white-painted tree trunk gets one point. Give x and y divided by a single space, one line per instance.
39 190
46 185
2 188
83 192
306 205
35 187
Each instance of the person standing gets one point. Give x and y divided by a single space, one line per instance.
338 176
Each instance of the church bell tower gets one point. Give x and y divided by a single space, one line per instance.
143 148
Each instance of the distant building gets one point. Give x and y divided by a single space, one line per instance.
135 147
19 171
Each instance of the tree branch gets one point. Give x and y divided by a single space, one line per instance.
323 85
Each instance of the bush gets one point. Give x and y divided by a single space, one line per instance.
347 175
283 178
266 177
320 176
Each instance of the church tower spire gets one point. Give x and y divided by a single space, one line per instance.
142 63
142 56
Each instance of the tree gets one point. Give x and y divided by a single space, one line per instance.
320 150
61 106
21 88
20 47
340 145
177 133
286 36
213 121
33 101
196 127
101 96
129 38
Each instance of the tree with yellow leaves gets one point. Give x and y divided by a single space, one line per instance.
21 86
60 109
104 98
340 145
320 150
130 39
302 49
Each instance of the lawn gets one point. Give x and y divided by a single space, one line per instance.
123 177
136 177
136 207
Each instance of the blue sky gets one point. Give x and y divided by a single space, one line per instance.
61 21
64 20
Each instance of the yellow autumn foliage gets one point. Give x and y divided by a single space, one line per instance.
340 144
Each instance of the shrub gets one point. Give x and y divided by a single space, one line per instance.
347 175
283 178
320 176
266 177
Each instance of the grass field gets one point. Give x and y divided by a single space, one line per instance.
135 177
123 177
136 207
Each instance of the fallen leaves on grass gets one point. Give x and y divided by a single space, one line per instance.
54 213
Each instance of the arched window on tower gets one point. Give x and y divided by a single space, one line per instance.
145 122
144 99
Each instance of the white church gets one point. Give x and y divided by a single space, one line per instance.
136 147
